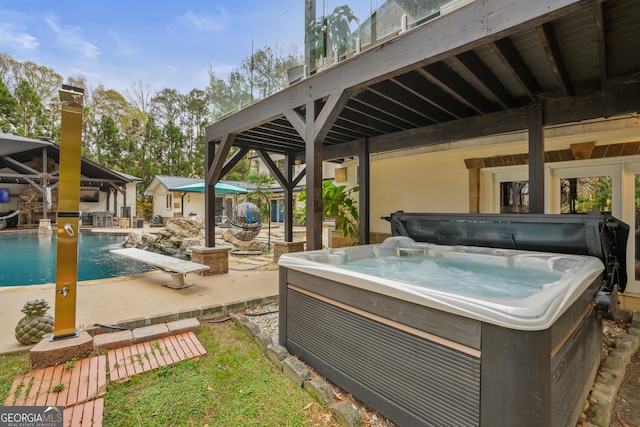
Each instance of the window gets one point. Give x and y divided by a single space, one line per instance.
585 194
514 197
169 202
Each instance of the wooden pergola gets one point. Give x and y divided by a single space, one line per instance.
489 68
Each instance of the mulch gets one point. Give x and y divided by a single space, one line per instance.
626 411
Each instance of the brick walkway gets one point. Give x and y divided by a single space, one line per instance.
79 385
137 358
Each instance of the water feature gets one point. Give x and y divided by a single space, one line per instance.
26 259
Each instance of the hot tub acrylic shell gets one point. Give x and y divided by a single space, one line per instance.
431 357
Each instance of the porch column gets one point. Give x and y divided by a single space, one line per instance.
116 190
364 196
536 159
215 160
313 159
313 128
45 183
209 200
288 199
124 208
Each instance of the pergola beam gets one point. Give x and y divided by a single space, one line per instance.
615 101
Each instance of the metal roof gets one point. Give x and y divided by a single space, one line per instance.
10 144
171 183
471 63
17 154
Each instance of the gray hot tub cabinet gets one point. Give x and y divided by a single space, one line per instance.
418 365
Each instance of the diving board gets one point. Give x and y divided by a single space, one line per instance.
178 268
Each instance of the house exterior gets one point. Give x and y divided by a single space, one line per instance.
485 107
29 177
169 201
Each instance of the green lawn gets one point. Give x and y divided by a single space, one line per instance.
233 385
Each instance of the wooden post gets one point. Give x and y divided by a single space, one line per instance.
364 193
536 159
313 155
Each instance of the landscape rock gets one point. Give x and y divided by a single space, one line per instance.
176 238
320 390
295 370
346 414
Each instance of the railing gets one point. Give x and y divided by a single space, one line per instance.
328 42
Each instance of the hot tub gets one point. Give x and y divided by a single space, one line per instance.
447 353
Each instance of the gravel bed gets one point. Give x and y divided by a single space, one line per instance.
266 318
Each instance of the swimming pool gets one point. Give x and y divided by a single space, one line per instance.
26 259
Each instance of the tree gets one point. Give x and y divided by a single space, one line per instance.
267 69
240 170
139 95
167 106
45 82
177 164
31 118
109 149
226 97
195 120
153 146
8 107
111 103
7 65
260 70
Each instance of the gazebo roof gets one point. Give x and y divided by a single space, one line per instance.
17 153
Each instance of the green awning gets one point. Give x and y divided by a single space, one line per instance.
221 188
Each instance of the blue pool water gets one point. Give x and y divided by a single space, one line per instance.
26 259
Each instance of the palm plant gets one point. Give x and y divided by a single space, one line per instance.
337 203
332 31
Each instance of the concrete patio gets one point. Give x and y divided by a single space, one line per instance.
142 299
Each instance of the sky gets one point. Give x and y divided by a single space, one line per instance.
165 43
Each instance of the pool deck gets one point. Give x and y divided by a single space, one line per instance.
110 301
141 297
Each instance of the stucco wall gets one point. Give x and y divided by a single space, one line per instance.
424 182
194 203
435 179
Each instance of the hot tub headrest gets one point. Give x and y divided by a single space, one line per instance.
595 234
